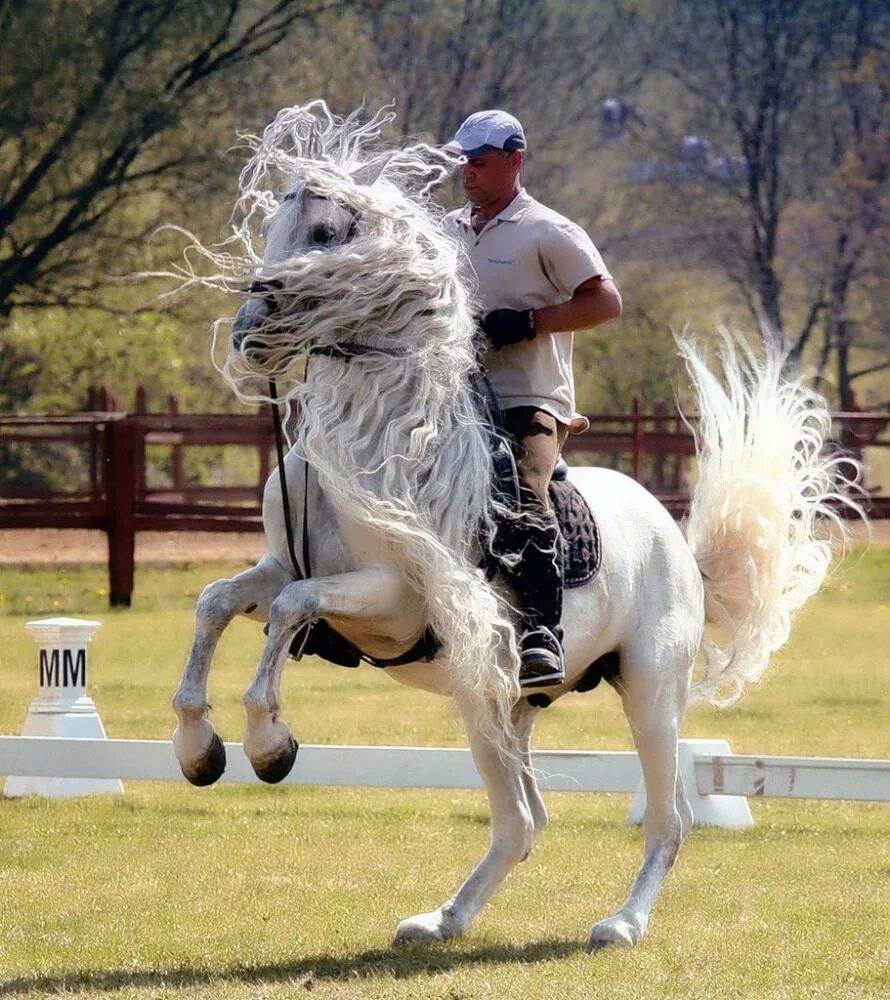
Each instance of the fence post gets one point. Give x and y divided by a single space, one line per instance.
659 426
121 472
141 407
91 407
177 468
637 440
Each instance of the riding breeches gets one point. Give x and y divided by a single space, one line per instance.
537 438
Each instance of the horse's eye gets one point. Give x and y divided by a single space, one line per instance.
322 234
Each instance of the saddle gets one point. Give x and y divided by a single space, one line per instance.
581 553
581 549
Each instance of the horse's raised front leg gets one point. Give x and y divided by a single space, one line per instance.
517 815
377 599
654 696
199 750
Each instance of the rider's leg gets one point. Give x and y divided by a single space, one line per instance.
538 438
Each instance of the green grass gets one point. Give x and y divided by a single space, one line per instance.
248 892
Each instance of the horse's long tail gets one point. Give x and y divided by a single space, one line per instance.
760 519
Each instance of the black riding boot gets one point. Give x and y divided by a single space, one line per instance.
538 578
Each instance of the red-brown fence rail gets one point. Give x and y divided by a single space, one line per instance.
127 472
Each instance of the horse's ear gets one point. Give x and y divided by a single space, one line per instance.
369 172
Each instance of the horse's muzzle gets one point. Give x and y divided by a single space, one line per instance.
249 319
256 310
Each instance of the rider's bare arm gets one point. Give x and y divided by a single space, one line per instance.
595 301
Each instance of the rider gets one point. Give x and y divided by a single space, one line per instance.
539 278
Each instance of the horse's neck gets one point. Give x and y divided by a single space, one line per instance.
397 446
381 416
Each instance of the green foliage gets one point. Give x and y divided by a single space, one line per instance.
125 117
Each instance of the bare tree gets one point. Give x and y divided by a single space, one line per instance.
853 241
93 101
765 93
551 63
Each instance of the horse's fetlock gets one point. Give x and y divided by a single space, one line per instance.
189 706
255 707
452 923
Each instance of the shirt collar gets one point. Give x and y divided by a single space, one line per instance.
512 213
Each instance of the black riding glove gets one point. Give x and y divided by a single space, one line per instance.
508 326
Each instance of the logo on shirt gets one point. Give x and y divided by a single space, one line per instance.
500 260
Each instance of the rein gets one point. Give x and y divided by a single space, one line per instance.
306 571
345 352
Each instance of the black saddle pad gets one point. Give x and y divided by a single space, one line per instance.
581 550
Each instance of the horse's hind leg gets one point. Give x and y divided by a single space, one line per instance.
515 821
654 695
524 716
199 750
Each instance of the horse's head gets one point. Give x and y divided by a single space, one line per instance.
305 222
354 258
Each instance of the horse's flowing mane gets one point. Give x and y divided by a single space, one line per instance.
393 437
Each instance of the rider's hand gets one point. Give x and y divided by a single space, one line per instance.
508 326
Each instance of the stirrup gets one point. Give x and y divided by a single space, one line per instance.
541 657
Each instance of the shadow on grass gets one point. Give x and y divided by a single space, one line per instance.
403 963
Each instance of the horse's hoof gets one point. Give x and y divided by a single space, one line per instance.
210 767
426 928
277 768
613 932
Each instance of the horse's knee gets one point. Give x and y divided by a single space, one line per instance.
217 603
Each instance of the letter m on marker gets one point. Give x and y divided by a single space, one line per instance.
49 668
74 671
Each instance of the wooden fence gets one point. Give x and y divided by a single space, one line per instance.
111 458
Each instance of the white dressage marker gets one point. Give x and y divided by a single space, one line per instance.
62 708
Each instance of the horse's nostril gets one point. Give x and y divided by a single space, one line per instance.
249 317
322 234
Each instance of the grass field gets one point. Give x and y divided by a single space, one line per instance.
249 892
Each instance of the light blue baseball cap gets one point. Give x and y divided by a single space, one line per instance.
485 130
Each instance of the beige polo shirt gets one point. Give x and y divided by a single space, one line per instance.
529 257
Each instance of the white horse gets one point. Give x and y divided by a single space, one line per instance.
358 277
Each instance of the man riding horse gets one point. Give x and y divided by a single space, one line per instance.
539 279
393 476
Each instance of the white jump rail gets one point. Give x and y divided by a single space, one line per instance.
422 767
63 751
